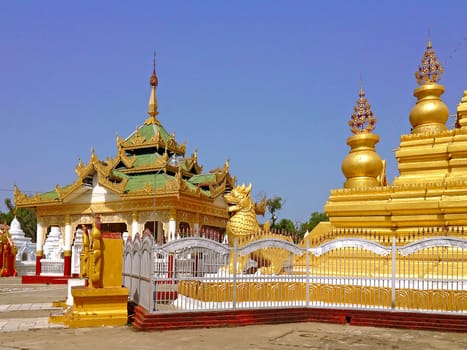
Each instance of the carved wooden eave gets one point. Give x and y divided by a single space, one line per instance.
221 173
21 199
118 187
103 169
24 201
231 180
124 158
218 190
62 193
160 164
192 165
83 170
220 176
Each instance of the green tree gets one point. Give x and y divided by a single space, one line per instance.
274 205
315 219
6 218
25 216
287 225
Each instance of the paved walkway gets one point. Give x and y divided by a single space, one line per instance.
26 307
14 324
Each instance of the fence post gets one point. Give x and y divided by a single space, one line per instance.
307 291
234 291
170 266
393 280
152 280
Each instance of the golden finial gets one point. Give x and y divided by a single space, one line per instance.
362 119
430 71
93 155
153 81
152 106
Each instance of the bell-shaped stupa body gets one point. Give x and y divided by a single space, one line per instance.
363 166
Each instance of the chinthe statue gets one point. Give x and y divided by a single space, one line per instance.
243 228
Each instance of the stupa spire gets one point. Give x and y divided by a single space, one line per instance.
152 106
362 119
362 167
431 69
430 114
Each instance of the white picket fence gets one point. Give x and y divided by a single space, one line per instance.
193 274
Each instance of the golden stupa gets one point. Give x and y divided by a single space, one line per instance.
430 191
416 224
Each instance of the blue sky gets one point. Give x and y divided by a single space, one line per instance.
269 85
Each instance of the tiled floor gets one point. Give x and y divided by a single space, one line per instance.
27 323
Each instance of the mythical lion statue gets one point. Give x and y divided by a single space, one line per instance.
243 223
243 228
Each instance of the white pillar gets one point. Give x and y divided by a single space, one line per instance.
172 229
39 237
67 242
196 230
39 245
134 225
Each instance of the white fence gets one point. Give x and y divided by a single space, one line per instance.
201 274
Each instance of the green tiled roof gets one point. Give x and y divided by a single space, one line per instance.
145 159
120 174
49 195
149 130
141 170
202 178
138 182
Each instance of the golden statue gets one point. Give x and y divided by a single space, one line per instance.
243 223
8 252
243 228
95 256
91 255
83 263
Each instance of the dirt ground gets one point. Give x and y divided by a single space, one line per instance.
271 337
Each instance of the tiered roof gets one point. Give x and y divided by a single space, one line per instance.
149 161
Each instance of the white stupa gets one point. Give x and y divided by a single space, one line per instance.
53 245
26 249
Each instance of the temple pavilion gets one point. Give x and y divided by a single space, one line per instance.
150 185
